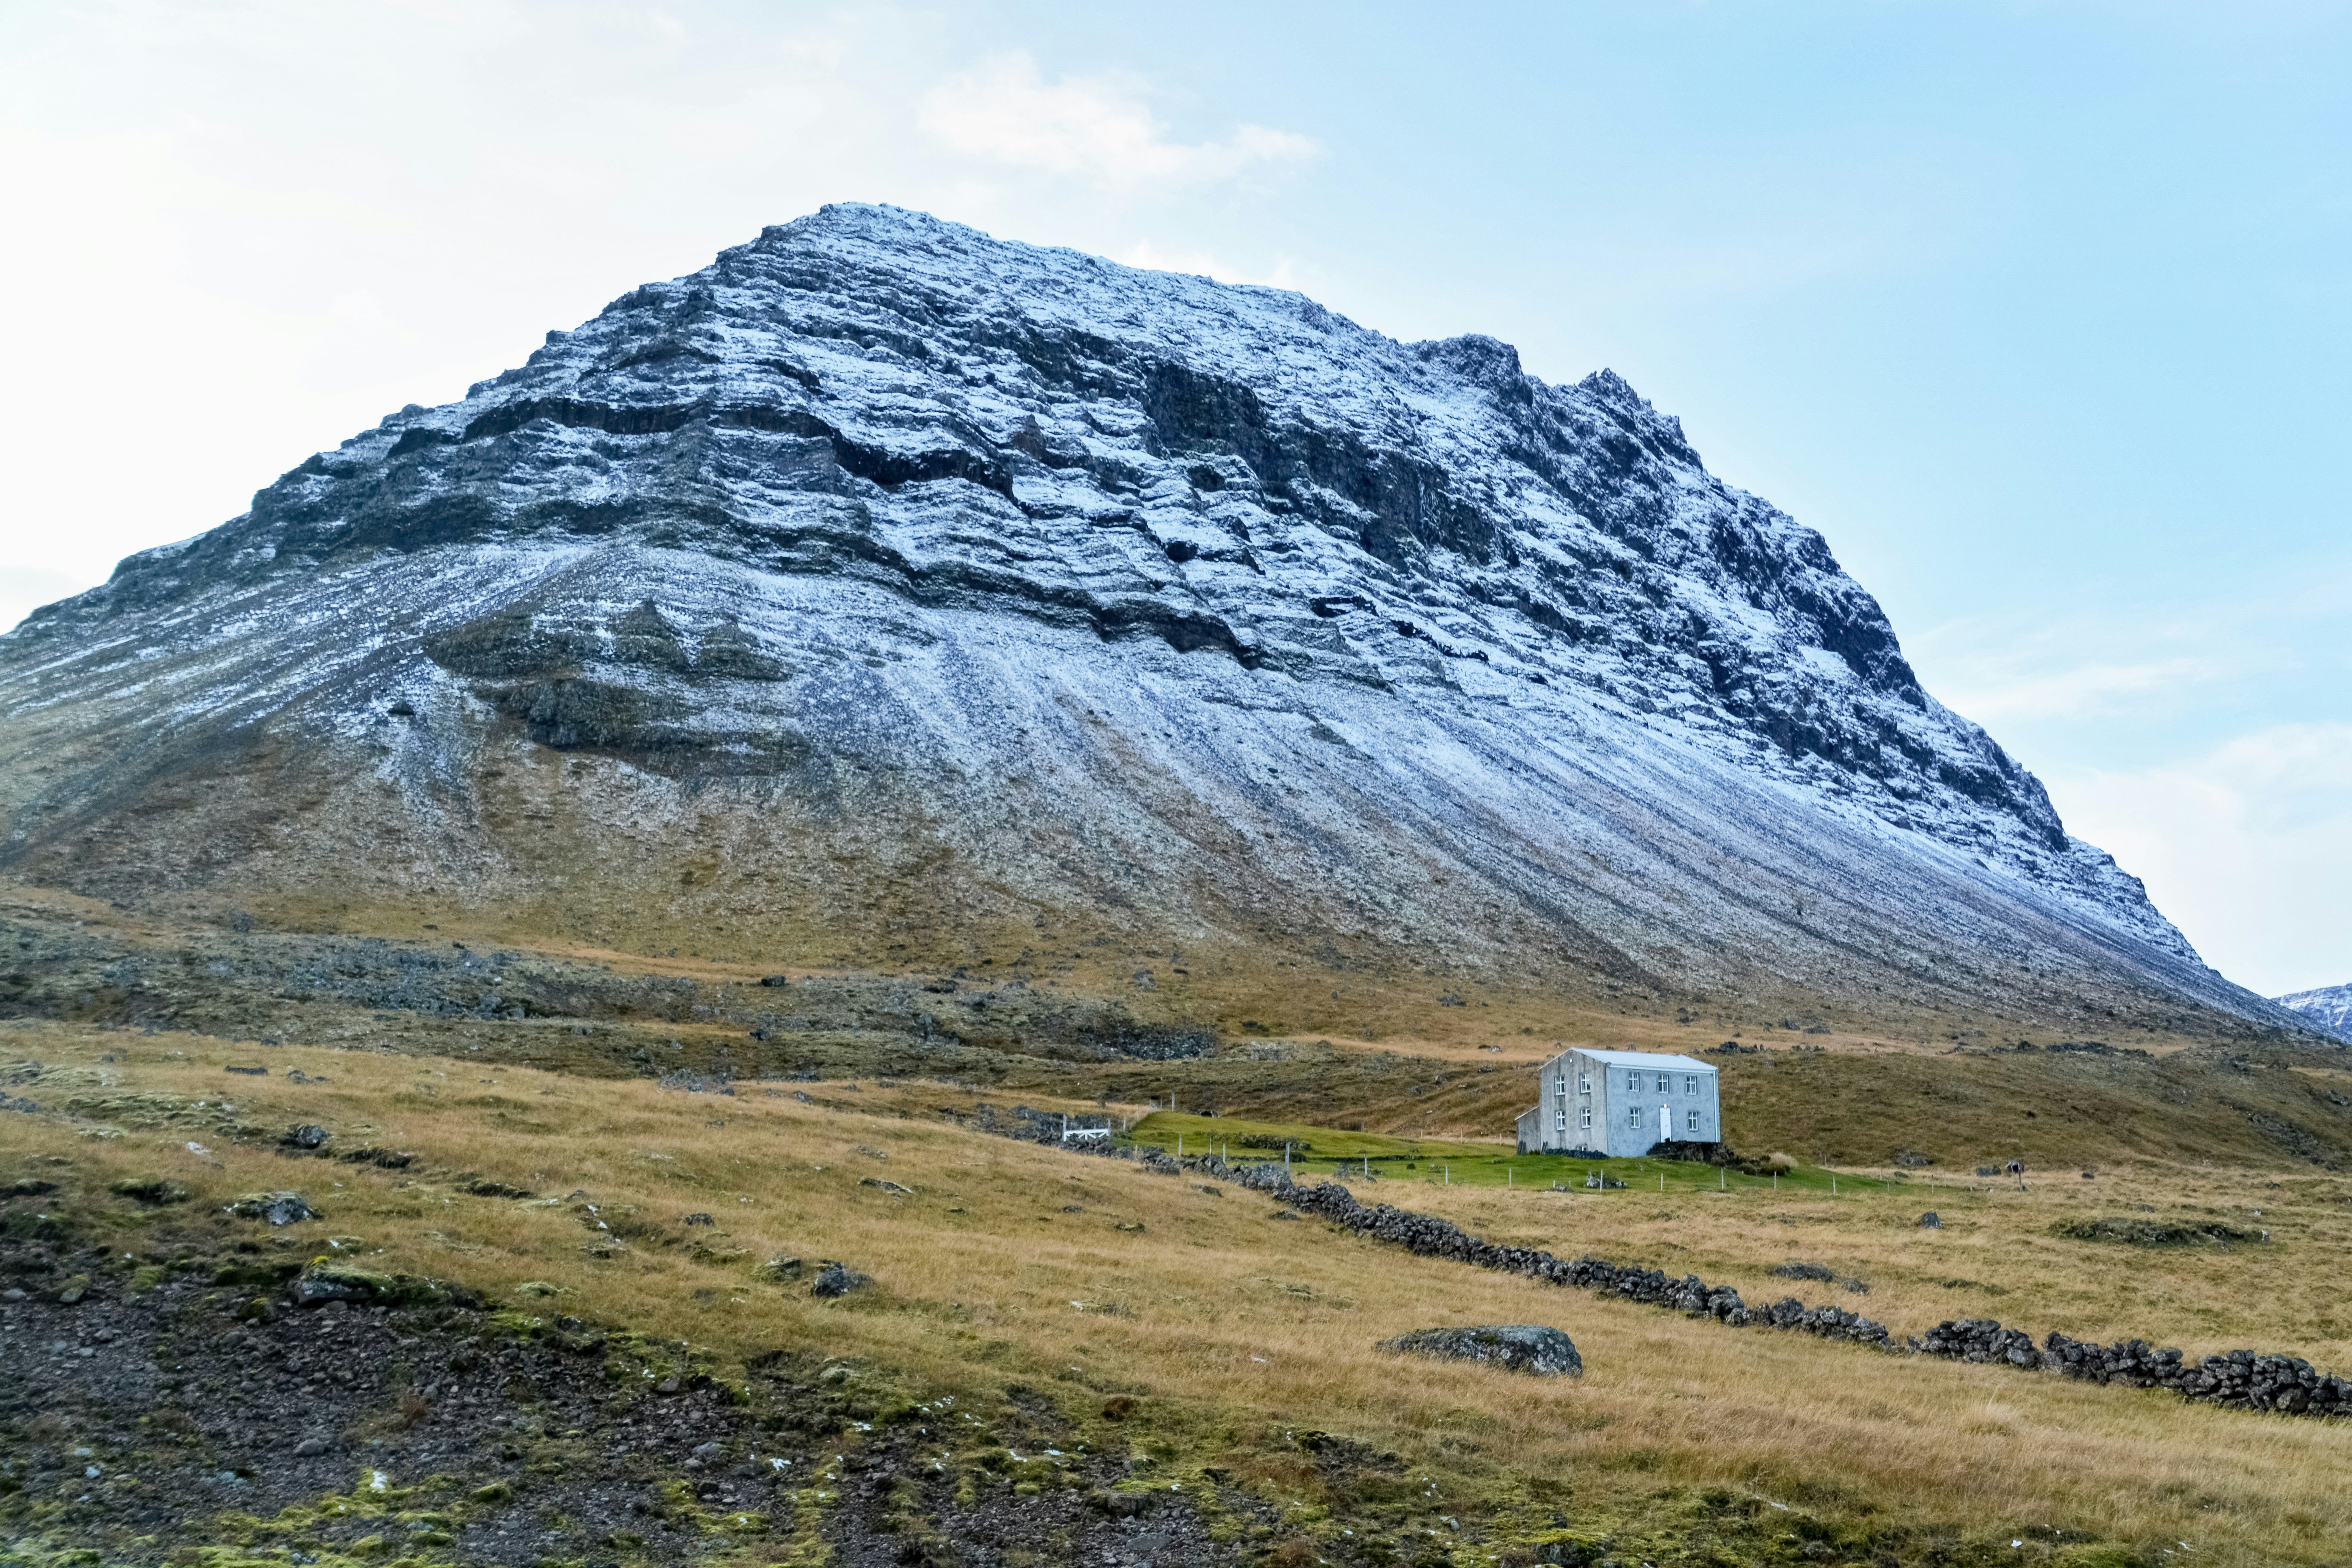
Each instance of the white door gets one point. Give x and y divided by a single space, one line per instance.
1665 1121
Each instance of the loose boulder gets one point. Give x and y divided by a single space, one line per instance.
278 1208
307 1136
1931 1220
834 1279
1519 1347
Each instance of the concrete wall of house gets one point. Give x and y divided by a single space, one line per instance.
1649 1105
1568 1111
1585 1103
1604 1101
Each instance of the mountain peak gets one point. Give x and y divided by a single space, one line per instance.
980 515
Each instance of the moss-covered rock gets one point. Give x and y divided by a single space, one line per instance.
324 1281
152 1190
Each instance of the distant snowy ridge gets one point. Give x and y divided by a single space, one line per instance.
2330 1008
1265 611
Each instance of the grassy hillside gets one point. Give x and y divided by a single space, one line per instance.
1005 1273
2261 1101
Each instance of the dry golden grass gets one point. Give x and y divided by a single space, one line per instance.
1009 1262
1835 1099
1996 1256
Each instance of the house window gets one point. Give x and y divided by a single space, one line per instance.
1663 1082
1559 1122
1584 1120
1690 1083
1583 1083
1693 1121
1633 1116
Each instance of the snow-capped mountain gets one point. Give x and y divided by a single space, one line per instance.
885 567
2329 1007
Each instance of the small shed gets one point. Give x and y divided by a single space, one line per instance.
1613 1104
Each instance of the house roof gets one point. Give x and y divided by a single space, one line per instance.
1639 1059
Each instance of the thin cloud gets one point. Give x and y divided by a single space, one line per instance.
2248 846
1092 128
2079 692
24 589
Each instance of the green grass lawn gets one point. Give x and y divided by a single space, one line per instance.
1329 1151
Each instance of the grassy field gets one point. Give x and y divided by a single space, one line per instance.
1311 1151
1851 1100
1001 1265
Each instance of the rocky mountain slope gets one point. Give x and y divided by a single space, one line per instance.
2329 1007
887 594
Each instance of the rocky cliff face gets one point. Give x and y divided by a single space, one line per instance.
883 577
2329 1008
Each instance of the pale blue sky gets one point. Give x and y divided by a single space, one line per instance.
2037 312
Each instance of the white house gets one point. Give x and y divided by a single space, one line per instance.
1622 1102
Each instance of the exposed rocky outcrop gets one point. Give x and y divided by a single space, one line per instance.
272 984
882 577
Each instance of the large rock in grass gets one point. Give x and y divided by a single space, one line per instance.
1521 1347
324 1282
838 1280
278 1208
